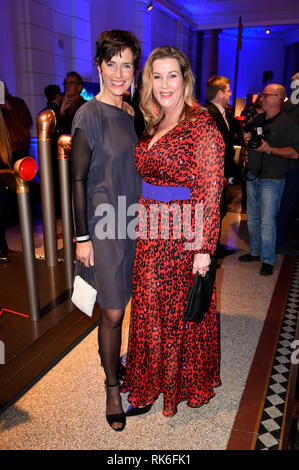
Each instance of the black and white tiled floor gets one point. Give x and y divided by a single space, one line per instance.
271 421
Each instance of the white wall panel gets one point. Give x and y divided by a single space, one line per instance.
164 29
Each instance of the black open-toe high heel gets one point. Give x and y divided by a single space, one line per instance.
135 411
116 417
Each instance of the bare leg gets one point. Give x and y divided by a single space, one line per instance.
109 336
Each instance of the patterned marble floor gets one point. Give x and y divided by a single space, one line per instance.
65 409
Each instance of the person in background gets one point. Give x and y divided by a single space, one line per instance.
18 121
217 98
5 163
135 102
252 109
54 99
72 100
267 169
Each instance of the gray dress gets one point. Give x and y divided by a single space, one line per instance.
113 185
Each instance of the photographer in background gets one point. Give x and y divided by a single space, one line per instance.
273 140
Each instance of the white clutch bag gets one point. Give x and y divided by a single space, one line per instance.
84 295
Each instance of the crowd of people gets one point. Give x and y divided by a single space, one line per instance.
178 169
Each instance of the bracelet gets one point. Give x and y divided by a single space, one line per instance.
269 151
84 238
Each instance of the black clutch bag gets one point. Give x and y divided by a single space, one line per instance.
201 294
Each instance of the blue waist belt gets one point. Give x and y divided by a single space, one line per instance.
164 193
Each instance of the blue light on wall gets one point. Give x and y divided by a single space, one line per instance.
90 90
261 31
260 52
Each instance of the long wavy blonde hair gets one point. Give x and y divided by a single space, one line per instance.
5 143
151 109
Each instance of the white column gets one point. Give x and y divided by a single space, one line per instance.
193 49
182 36
7 37
143 29
50 39
81 38
209 60
34 67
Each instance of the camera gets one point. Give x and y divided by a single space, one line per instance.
257 133
254 124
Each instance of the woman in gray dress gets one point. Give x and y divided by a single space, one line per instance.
105 184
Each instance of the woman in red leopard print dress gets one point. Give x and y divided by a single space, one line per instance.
181 151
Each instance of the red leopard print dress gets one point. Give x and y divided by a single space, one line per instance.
166 354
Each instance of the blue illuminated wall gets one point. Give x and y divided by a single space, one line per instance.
90 90
165 29
258 54
46 39
7 62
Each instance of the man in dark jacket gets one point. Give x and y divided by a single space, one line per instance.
54 98
72 101
18 121
217 99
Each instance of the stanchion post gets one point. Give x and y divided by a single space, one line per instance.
46 122
24 171
64 150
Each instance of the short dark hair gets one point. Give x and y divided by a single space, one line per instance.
51 91
113 42
215 83
78 77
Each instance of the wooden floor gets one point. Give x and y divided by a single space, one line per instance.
31 347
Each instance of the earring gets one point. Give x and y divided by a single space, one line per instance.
132 88
101 83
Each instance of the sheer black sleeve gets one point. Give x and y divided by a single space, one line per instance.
80 162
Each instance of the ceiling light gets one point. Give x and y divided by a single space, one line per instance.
150 6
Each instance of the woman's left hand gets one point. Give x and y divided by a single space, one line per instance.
201 263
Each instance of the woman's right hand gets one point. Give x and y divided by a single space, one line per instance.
84 252
201 263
